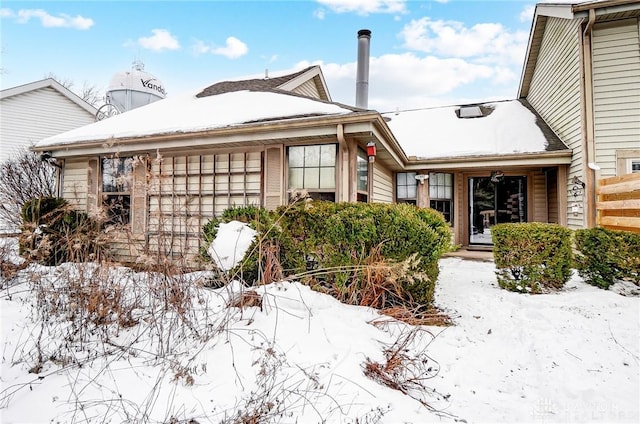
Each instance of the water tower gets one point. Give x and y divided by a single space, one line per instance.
129 90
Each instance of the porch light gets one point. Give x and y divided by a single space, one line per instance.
371 151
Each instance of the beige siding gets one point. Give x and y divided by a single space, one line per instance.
540 206
308 88
30 117
552 196
185 192
616 87
273 177
382 184
76 180
556 94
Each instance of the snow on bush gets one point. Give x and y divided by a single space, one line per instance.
232 241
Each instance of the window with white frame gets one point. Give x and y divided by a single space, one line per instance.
116 189
441 194
363 176
313 168
406 188
634 166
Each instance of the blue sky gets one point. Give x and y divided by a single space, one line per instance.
423 53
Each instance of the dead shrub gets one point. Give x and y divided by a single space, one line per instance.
246 299
407 367
22 178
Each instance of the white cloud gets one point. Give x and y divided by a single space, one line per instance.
365 7
6 13
160 40
407 81
319 13
527 13
233 49
200 47
451 38
48 21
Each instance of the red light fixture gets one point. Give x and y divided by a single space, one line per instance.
371 151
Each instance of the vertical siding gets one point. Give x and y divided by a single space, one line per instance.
540 205
552 196
185 192
76 182
555 93
308 88
273 177
28 118
382 184
616 88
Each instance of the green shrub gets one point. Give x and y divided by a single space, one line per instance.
340 237
336 245
53 233
605 256
532 257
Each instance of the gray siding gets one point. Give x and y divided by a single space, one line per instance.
30 117
555 93
616 87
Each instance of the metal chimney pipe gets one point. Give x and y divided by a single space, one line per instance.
362 77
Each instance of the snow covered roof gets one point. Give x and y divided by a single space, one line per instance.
507 127
190 114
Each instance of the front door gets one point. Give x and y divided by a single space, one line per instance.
495 200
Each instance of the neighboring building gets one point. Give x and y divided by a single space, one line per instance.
582 76
167 168
31 112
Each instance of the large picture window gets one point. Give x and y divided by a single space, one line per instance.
406 187
116 189
441 194
313 168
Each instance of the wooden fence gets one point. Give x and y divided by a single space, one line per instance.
618 203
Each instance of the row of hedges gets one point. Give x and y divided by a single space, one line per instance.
537 257
340 241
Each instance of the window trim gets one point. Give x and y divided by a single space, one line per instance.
128 193
411 181
362 195
316 193
432 179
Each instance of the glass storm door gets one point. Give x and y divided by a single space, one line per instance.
495 201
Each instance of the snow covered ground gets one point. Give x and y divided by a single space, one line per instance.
572 356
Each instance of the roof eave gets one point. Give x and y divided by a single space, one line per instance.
559 157
282 125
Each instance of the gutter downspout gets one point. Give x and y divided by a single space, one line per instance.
588 141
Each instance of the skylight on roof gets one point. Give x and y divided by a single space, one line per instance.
470 112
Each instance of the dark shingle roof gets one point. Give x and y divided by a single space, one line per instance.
257 84
554 142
